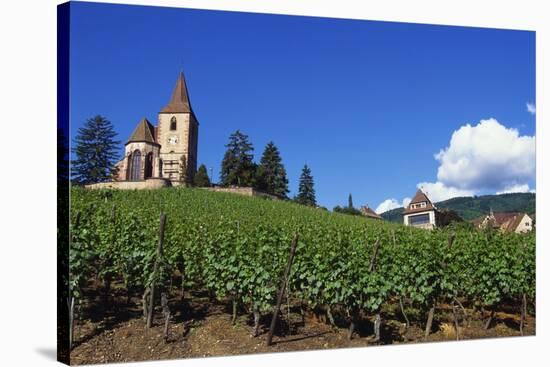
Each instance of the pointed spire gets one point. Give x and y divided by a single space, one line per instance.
144 132
179 103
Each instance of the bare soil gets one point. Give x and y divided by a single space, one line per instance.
203 328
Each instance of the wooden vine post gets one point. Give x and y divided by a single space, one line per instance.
372 268
70 301
354 314
523 313
282 290
166 313
431 312
407 323
151 304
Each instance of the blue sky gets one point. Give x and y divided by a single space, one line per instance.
367 105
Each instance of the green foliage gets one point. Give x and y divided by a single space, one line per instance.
237 247
271 173
201 178
96 152
238 167
470 208
306 190
347 210
446 217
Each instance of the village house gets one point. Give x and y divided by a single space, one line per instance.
420 212
369 213
505 222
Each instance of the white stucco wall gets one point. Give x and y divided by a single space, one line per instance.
430 225
525 225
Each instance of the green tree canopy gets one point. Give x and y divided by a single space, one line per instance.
271 174
306 190
347 210
201 177
96 152
238 167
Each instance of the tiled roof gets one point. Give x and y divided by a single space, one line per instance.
179 103
507 222
419 197
144 132
368 212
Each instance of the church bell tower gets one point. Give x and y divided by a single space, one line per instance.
177 134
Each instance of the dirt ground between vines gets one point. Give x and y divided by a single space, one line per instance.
204 329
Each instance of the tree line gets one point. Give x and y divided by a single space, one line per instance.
239 169
95 151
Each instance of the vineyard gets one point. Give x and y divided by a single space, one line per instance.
167 246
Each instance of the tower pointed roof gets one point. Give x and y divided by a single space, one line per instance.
144 132
179 103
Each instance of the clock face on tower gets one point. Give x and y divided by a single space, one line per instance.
173 140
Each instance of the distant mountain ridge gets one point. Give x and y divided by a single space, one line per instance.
476 206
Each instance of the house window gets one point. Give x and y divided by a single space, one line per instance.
418 205
417 220
173 123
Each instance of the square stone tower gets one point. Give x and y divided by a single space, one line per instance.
177 134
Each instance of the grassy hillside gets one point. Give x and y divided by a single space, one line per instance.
473 207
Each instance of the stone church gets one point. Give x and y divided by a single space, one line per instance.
162 151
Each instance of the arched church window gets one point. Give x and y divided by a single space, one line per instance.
148 173
135 166
173 123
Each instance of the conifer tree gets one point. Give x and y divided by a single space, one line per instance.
271 174
96 152
306 190
201 178
238 167
350 202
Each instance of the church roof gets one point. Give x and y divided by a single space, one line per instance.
507 222
179 103
368 212
144 132
419 197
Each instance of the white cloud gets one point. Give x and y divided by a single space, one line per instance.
515 188
390 204
438 191
487 156
531 108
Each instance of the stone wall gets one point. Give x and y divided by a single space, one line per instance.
246 191
177 143
150 183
